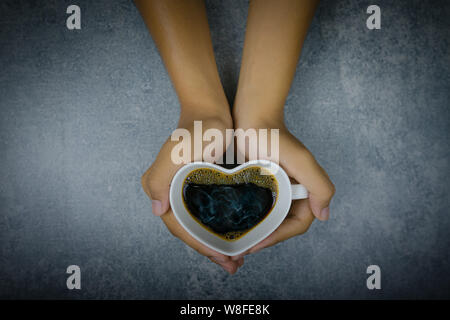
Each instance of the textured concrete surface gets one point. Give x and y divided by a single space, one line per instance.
83 114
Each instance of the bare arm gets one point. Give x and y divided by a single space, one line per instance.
181 33
274 38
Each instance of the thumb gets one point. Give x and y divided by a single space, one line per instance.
157 191
156 181
160 203
320 206
301 164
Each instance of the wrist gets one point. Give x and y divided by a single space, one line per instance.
219 113
258 117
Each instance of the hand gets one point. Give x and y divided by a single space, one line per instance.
301 166
156 183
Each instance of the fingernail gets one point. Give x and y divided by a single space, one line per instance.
236 258
157 207
325 213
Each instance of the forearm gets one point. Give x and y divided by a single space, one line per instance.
274 38
181 33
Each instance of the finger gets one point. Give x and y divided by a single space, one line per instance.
231 267
177 230
298 222
156 180
239 256
300 164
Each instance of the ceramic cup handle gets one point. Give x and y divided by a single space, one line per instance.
299 192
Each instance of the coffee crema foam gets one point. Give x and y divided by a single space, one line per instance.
249 178
247 175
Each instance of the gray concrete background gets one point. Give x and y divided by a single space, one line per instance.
83 114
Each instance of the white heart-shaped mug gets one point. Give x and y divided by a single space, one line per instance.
286 193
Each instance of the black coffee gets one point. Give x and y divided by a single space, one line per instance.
229 205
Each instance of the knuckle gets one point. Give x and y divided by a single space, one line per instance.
303 225
153 185
151 182
330 191
144 179
304 229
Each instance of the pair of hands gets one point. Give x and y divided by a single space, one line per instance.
295 159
